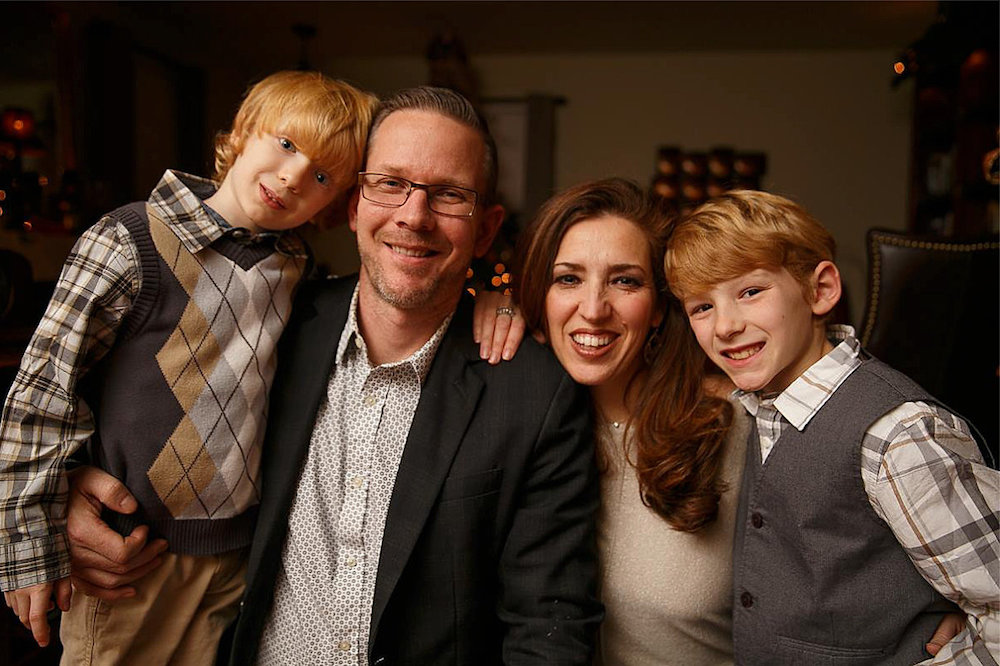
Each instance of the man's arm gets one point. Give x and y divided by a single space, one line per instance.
548 566
44 421
104 563
930 486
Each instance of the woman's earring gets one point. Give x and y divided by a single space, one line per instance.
651 347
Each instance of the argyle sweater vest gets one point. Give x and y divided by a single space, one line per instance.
819 578
180 401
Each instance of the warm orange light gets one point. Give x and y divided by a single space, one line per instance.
898 67
17 123
43 181
468 274
471 291
496 281
505 278
3 195
507 292
27 225
499 268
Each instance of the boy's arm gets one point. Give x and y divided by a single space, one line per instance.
924 476
32 604
44 421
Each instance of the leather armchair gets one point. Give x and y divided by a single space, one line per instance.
933 312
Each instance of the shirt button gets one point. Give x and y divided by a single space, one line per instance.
369 400
351 562
756 520
746 600
357 481
344 646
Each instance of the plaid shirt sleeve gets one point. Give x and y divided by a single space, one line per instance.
44 421
924 476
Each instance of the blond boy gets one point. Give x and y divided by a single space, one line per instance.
866 510
156 352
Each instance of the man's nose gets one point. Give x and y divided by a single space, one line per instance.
415 213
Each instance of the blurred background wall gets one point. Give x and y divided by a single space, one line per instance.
120 91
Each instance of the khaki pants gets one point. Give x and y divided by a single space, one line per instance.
176 617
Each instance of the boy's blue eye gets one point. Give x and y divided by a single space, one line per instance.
698 309
752 291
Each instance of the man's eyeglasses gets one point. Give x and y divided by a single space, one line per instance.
386 190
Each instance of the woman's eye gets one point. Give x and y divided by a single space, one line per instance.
628 281
566 279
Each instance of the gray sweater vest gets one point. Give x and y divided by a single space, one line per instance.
819 578
180 400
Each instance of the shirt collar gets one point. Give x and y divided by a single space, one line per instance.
420 360
805 396
179 199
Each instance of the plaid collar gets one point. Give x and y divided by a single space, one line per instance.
805 396
178 200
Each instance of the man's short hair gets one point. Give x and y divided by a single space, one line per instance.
327 119
452 105
741 231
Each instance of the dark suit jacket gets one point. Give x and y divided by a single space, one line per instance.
488 553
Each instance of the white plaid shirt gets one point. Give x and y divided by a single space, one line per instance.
924 476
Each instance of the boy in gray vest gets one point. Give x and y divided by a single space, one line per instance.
157 351
866 510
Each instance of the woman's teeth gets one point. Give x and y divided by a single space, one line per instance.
588 340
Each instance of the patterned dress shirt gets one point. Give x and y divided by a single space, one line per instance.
923 475
326 584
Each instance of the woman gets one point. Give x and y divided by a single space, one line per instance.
670 451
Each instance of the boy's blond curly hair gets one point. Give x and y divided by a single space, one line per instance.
327 119
739 232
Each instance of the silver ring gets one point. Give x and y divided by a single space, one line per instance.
505 310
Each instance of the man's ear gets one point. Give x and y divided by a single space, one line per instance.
352 210
487 229
826 288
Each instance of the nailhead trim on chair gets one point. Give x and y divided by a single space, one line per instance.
878 239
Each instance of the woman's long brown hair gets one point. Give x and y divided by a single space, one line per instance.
678 428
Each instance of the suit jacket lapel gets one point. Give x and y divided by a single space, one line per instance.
447 404
319 322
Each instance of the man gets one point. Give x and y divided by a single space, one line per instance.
419 506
